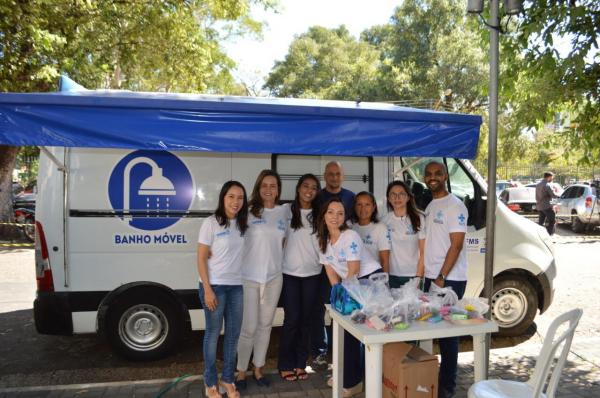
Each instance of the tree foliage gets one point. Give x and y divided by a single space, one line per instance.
543 82
325 63
142 45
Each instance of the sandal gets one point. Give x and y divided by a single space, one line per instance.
212 392
288 375
301 374
230 389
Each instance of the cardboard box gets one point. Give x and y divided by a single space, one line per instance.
409 372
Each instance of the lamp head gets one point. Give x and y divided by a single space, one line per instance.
475 6
513 7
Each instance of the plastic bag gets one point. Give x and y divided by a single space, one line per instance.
447 296
341 300
474 306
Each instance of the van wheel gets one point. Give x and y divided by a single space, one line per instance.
576 225
144 325
514 305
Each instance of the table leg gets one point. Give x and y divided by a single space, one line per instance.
479 357
426 345
338 360
373 370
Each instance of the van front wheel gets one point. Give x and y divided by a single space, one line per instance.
514 305
142 326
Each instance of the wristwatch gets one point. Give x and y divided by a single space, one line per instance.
442 277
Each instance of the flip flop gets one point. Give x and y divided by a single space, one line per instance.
301 374
288 377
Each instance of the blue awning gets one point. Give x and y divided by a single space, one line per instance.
187 122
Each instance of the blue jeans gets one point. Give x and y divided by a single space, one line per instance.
448 347
230 306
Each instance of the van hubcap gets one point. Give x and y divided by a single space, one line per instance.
509 307
143 327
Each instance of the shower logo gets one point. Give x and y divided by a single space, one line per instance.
150 190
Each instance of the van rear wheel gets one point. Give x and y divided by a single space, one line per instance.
144 325
514 305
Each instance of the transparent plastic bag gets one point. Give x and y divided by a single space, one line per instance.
474 305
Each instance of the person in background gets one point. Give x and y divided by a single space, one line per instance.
301 278
374 234
334 178
543 195
220 247
263 258
341 251
406 228
445 259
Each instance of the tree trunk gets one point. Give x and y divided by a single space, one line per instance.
8 157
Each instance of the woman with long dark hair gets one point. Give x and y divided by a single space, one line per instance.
301 278
406 226
220 247
341 251
365 221
263 258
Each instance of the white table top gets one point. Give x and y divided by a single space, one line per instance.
416 331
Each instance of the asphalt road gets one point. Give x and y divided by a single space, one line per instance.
28 358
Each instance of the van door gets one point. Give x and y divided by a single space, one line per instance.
358 171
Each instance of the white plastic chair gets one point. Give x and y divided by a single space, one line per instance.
533 388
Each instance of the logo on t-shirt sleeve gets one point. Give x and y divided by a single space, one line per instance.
461 219
354 248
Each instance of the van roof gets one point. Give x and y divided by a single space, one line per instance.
216 123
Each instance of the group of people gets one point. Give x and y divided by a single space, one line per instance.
253 252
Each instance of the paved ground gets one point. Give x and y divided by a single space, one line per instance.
28 359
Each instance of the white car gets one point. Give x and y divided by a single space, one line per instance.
579 205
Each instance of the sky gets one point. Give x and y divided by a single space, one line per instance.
255 58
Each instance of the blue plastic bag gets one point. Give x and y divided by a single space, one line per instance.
341 301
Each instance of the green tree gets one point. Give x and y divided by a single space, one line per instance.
541 82
325 63
150 45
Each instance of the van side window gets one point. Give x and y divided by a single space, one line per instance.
460 183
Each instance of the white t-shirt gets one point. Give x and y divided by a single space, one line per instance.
404 255
226 247
301 253
263 251
443 216
374 236
349 247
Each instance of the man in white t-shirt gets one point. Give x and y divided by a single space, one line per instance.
445 258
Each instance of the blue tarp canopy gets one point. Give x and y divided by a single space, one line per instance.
187 122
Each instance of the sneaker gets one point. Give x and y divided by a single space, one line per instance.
320 362
348 392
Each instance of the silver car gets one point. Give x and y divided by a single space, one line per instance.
579 205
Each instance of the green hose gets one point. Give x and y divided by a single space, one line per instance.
171 385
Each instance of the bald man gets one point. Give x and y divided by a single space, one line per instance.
334 178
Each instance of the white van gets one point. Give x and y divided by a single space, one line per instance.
116 238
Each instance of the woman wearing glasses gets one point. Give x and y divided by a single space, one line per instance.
406 227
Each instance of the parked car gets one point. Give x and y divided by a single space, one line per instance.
579 205
556 188
24 200
501 185
519 199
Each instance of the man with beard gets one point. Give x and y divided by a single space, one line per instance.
445 259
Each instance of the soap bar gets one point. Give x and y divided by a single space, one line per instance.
435 319
458 317
377 323
425 317
400 326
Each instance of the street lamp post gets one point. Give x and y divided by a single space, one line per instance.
511 7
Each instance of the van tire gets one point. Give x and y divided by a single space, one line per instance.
514 305
144 324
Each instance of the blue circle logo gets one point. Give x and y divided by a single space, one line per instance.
150 190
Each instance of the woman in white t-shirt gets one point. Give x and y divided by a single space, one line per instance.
220 246
374 234
301 279
341 251
263 258
406 227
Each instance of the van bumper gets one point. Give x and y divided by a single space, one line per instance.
52 314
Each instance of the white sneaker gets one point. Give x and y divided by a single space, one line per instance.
348 392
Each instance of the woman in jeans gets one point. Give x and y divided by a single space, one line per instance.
263 256
301 279
220 246
341 251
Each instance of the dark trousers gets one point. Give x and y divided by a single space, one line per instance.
299 301
547 215
318 333
448 347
